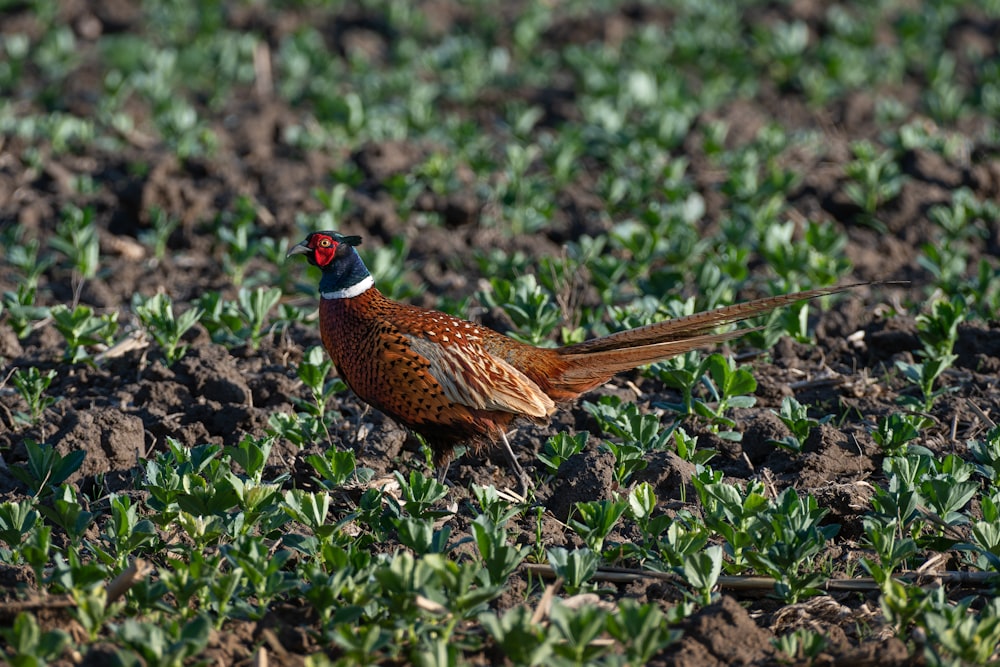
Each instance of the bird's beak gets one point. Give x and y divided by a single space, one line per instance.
299 249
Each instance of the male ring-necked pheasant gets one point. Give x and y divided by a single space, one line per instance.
460 383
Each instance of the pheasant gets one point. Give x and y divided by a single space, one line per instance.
459 383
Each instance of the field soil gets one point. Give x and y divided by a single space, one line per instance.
124 409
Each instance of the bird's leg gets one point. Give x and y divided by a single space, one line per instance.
522 477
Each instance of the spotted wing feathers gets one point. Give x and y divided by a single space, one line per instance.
471 376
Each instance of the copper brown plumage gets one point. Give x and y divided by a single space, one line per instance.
460 383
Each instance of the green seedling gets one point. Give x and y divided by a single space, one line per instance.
938 330
309 509
337 468
25 258
986 534
735 513
687 448
22 313
796 417
629 458
873 177
701 570
243 321
986 454
165 643
234 229
797 539
625 421
522 641
498 510
641 507
124 533
162 227
76 237
17 519
420 494
499 559
66 512
46 468
577 630
896 430
419 536
801 645
642 630
576 567
530 307
157 316
894 551
264 571
560 447
92 609
924 375
254 308
32 384
81 329
28 646
314 371
596 520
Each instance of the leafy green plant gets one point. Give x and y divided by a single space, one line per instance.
162 227
157 316
530 307
46 468
29 646
796 417
82 328
797 538
576 567
873 177
499 559
32 384
76 237
560 447
22 313
894 431
596 520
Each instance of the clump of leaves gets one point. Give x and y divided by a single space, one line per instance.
82 328
32 384
796 417
157 315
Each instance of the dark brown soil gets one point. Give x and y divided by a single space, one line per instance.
124 409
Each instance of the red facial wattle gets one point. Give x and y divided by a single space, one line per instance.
324 249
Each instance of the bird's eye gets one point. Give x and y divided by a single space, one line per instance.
324 243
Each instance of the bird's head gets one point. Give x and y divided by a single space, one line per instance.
323 249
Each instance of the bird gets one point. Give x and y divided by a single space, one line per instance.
459 383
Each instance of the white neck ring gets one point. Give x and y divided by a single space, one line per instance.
348 292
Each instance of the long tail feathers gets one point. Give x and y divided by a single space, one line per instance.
594 361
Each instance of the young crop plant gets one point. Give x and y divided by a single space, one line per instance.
531 308
82 328
235 230
560 447
895 431
156 314
76 237
798 538
28 645
938 332
596 520
46 468
796 417
32 384
873 178
162 227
